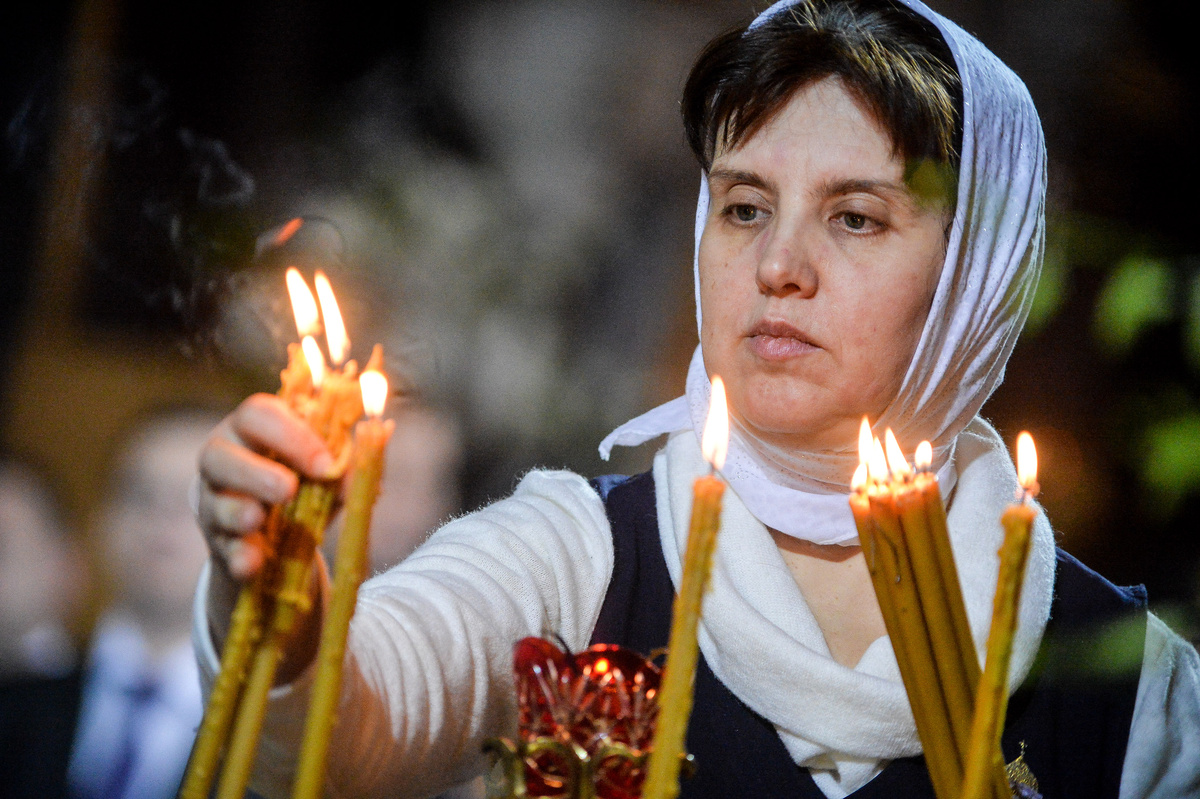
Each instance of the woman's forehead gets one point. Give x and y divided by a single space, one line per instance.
821 127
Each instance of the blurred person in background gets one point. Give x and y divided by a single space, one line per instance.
140 703
42 584
120 724
41 578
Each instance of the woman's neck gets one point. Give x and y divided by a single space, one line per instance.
837 588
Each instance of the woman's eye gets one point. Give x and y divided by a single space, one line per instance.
858 223
855 221
745 213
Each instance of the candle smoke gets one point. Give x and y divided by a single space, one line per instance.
165 208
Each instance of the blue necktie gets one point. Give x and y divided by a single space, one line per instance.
139 696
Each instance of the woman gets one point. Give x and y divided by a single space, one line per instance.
868 240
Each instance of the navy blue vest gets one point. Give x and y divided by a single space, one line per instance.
1073 712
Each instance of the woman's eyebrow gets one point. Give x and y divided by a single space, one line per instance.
729 177
884 188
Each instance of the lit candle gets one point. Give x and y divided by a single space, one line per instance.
331 408
304 305
675 699
926 482
919 506
919 665
883 566
335 329
330 402
370 439
991 701
245 630
902 528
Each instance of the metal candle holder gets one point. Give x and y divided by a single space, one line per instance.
580 771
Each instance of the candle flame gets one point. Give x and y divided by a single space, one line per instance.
859 481
374 392
316 361
864 441
877 467
897 465
715 441
335 329
923 459
1027 462
304 306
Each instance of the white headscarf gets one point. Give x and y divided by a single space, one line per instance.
993 258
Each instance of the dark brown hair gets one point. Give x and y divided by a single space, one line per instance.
891 59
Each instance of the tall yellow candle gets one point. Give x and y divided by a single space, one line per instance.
883 564
939 597
226 690
926 483
675 697
330 408
991 702
880 564
370 439
894 527
312 504
925 690
246 624
268 610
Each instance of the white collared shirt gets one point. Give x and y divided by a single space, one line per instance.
163 726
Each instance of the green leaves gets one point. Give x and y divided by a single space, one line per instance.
1138 294
1170 462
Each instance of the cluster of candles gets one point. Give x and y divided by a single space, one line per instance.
331 397
902 528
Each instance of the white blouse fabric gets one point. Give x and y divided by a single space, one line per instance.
429 670
156 733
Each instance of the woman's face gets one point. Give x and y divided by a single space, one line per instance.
817 270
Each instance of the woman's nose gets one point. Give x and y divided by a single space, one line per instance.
788 264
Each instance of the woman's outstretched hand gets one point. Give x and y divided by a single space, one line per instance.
253 459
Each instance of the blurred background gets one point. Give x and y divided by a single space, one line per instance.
501 194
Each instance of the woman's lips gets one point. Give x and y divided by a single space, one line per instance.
777 341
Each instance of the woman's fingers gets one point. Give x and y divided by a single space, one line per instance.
246 466
241 557
265 424
228 514
228 466
231 525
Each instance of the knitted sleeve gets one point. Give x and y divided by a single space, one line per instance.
429 674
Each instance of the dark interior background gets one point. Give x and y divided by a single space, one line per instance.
502 194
